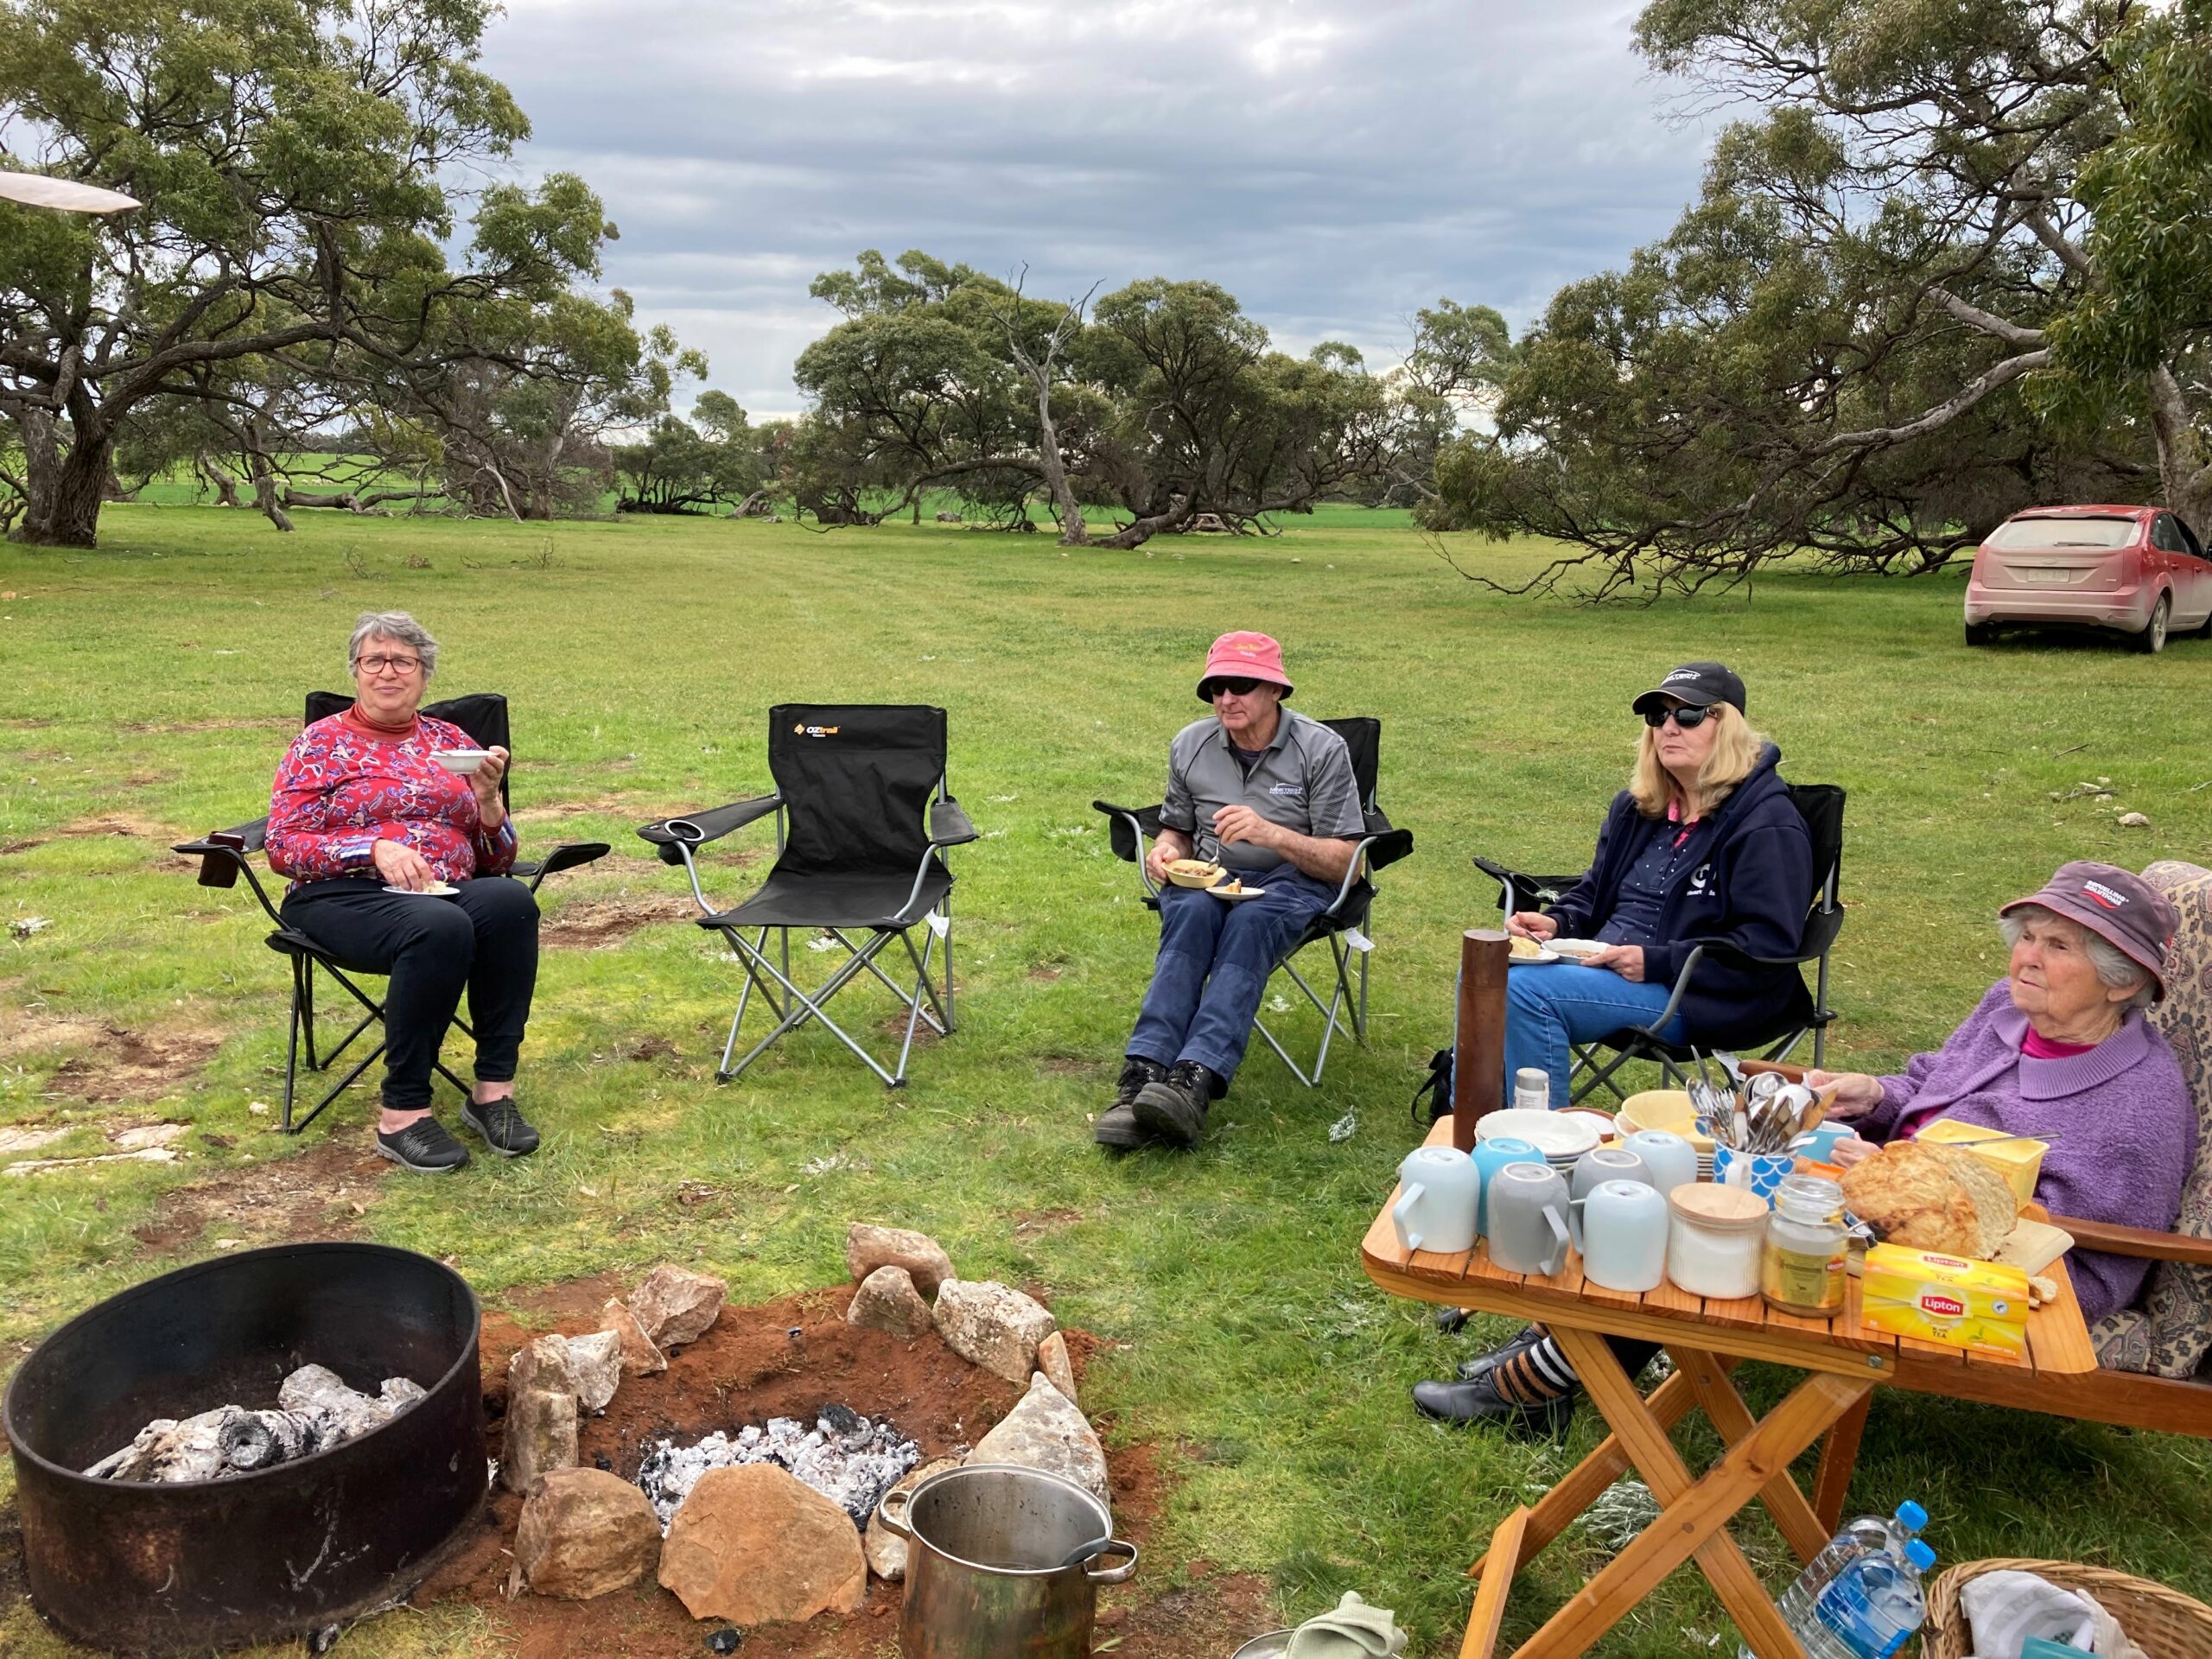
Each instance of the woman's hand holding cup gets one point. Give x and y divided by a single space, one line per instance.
484 781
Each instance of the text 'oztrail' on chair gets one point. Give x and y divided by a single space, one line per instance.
1821 807
1346 926
864 818
224 854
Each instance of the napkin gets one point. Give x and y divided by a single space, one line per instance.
2005 1609
1352 1631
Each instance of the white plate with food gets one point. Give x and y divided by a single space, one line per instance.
464 761
1575 950
436 890
1529 953
1235 891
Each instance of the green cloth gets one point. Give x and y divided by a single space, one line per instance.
1352 1631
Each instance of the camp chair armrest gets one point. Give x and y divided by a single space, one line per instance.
1128 828
1387 848
223 855
678 831
1520 883
2138 1242
566 856
948 824
1721 948
1681 985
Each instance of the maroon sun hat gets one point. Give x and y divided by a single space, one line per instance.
2119 907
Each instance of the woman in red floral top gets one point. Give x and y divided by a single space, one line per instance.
399 867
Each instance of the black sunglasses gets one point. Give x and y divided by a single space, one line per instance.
1687 719
1235 687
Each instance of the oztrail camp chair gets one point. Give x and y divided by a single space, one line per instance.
224 854
1595 1063
1345 927
863 820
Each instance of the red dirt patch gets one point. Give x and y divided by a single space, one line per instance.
19 847
126 1064
1027 1224
122 823
322 1193
747 1369
594 924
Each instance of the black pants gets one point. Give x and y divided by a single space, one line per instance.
484 937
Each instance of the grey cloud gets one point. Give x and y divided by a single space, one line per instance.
1333 164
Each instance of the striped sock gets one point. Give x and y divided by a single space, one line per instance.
1536 1377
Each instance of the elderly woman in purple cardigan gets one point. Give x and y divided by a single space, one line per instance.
2060 1047
2060 1044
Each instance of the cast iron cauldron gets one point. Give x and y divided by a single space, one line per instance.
985 1579
170 1568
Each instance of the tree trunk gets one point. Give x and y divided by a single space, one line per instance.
226 487
2183 473
41 473
268 497
71 515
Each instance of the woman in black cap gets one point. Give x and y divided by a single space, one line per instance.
1704 846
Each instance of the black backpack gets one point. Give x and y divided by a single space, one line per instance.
1437 1086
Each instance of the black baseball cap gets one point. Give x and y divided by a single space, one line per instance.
1698 684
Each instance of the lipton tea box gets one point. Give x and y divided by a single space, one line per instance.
1948 1299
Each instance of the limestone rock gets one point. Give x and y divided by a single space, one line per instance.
541 1436
584 1532
595 1363
640 1358
992 1324
888 1301
754 1545
869 1247
675 1305
1053 1360
542 1363
885 1550
1044 1431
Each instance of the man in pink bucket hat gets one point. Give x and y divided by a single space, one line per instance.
1268 795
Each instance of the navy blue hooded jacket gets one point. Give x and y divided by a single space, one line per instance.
1750 891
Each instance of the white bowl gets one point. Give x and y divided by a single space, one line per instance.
1556 1135
464 761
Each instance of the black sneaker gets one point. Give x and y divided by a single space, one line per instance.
1117 1125
503 1127
1175 1108
423 1145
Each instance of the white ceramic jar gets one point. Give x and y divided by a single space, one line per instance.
1715 1240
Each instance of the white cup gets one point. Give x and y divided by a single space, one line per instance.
1621 1230
1670 1161
1440 1190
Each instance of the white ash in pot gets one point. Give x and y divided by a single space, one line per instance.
849 1460
314 1411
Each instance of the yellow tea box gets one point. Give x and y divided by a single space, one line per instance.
1948 1299
2019 1161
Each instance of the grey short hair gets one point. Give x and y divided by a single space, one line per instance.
2115 966
392 624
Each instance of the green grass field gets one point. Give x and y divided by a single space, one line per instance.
150 687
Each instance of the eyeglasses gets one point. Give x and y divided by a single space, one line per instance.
1235 687
1687 719
401 665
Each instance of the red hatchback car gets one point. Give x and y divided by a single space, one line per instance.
2138 571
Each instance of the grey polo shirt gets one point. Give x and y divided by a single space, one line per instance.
1303 782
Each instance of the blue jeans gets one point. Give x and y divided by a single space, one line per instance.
1547 1008
1214 961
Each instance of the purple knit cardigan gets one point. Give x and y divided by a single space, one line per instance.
2126 1127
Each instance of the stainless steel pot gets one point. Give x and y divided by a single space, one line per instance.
985 1579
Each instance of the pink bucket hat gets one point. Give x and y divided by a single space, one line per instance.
2120 907
1243 655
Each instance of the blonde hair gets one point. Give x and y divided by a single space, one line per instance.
1736 751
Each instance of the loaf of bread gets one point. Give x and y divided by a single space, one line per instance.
1931 1198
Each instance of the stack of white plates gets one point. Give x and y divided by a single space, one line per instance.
1562 1137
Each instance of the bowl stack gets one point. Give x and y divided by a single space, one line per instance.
1669 1109
1562 1137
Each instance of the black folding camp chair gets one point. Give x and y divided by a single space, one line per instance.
1595 1063
863 821
224 854
1345 925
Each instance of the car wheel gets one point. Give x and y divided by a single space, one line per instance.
2153 639
1980 633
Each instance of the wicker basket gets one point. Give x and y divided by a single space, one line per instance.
2164 1623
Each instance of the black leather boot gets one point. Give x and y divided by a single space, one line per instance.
1479 1401
1175 1108
1117 1125
1484 1364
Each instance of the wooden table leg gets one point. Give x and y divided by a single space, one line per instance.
1490 1600
1838 1459
1693 1512
1580 1488
1724 1408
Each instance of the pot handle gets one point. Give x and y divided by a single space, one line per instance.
898 1522
1112 1574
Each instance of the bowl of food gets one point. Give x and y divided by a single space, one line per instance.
1575 950
1199 872
464 761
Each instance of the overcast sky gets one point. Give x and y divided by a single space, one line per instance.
1333 164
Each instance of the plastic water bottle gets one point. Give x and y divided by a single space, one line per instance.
1857 1538
1871 1608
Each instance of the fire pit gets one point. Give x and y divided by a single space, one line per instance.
162 1568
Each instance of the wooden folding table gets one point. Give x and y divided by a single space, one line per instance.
1706 1339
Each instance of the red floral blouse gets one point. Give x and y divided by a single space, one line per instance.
338 793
